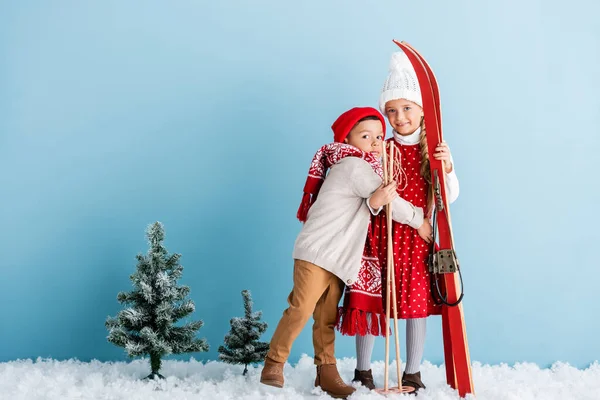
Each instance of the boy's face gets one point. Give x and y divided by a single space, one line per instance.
367 136
404 116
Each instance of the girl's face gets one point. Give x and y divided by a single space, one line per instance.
366 136
404 116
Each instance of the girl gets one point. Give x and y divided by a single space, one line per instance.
401 103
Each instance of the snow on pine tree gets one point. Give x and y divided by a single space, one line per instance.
147 326
241 343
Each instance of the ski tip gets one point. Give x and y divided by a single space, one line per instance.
401 43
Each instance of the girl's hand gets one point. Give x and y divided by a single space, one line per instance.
442 152
425 231
384 195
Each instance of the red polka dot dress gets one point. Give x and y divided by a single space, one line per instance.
413 284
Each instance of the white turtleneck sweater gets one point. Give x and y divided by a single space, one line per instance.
452 187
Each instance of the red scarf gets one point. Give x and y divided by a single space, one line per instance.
365 295
325 158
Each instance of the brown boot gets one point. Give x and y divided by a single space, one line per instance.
330 381
413 380
365 378
272 373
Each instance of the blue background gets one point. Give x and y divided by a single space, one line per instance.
205 115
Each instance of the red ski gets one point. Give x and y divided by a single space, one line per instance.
456 350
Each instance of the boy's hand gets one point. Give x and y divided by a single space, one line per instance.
384 195
425 231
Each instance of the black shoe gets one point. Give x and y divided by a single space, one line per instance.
365 378
413 380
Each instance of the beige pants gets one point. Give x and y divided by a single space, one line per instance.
316 292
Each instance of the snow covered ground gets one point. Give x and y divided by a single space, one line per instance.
193 380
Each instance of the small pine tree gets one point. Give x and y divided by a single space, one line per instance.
146 327
241 343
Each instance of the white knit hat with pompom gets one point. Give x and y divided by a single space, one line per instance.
401 82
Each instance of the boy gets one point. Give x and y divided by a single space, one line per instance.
327 253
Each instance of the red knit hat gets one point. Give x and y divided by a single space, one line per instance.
345 122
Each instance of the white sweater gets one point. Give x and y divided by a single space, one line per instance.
333 236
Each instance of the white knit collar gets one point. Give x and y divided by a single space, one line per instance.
411 139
